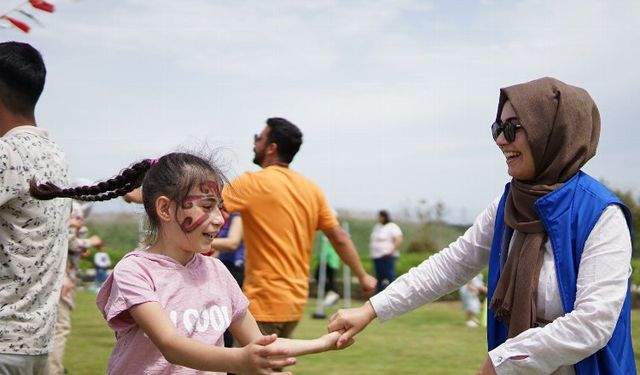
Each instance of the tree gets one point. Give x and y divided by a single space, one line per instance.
431 220
634 206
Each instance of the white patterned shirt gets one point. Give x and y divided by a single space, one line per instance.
33 240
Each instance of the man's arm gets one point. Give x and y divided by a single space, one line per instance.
134 196
347 251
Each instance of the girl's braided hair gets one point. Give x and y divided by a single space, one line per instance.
128 180
173 176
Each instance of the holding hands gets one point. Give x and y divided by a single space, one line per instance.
263 354
268 352
349 322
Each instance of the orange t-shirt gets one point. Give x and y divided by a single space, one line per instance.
281 211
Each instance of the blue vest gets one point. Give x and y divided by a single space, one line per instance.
568 214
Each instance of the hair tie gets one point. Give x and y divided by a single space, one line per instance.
153 162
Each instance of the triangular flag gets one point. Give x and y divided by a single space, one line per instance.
19 24
42 5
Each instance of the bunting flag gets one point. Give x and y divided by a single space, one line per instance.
19 24
42 5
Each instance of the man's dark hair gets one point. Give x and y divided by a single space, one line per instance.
22 76
286 135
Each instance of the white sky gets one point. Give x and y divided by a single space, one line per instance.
395 98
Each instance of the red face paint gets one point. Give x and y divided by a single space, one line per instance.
191 209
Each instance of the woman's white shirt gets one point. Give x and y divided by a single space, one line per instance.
601 288
382 242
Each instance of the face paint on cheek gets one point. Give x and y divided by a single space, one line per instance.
188 225
210 191
193 216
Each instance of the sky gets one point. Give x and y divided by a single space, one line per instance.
395 98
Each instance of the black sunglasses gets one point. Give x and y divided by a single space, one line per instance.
509 129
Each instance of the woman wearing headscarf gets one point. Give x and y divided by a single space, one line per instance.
557 243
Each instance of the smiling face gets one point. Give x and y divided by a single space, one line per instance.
520 163
199 216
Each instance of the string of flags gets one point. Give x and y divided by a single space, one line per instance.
21 16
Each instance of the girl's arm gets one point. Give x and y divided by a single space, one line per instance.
246 330
233 239
257 357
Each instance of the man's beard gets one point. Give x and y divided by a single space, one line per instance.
258 157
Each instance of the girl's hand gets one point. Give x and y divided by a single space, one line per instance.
258 358
330 340
350 322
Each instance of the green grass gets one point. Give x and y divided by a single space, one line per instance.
431 339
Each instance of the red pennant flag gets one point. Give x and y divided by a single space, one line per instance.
19 24
42 5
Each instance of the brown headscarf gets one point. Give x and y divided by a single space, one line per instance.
563 128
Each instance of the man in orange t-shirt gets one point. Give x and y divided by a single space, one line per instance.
281 211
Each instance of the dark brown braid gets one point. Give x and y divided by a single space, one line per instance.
173 176
128 180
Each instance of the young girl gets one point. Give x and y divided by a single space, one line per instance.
168 304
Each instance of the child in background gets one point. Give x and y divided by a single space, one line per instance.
101 262
470 298
168 301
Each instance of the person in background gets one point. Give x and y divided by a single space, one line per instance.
470 298
557 243
332 267
33 234
102 263
79 245
168 301
281 211
229 248
384 248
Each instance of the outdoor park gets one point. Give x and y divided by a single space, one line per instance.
430 340
510 126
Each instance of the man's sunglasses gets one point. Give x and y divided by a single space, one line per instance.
509 129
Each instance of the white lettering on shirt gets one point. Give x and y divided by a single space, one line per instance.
215 317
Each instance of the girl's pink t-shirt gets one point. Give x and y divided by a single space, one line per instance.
201 298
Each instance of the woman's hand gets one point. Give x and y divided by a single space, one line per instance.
350 322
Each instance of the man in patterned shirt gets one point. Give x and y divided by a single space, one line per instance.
33 234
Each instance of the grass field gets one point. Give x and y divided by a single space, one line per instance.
430 340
